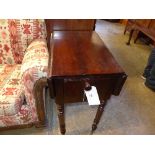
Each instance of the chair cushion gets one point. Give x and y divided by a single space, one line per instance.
11 92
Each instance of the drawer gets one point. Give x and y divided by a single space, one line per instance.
74 88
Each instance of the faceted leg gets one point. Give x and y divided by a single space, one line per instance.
61 118
60 105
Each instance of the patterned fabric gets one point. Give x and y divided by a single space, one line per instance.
22 117
36 55
11 92
17 80
12 110
16 35
34 67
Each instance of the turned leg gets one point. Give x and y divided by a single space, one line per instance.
98 115
60 105
130 36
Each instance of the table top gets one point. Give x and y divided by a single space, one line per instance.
77 53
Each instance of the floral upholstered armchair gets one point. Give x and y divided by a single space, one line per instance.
23 72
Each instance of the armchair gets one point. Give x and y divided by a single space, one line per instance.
23 71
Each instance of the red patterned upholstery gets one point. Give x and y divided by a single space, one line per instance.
11 92
23 61
16 35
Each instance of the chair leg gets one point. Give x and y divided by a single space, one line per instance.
130 36
125 31
136 38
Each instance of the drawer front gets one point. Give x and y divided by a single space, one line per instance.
74 89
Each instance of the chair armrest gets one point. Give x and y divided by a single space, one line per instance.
36 55
34 67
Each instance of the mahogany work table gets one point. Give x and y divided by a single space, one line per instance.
80 59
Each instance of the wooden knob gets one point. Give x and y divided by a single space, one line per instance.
87 86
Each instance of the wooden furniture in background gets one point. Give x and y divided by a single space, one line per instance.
123 21
146 26
68 25
80 59
129 25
